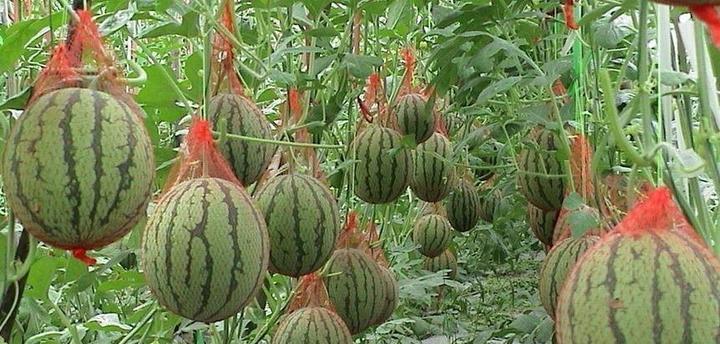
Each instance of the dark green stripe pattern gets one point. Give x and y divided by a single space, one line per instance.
205 250
78 169
414 117
391 296
557 266
303 222
651 287
383 167
433 233
542 223
249 160
312 325
355 285
445 261
433 171
540 170
463 207
489 200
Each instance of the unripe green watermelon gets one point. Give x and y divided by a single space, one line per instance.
414 117
249 160
463 206
383 168
433 233
312 325
542 223
445 261
650 280
356 286
557 266
78 169
433 171
391 299
303 222
205 250
540 172
489 202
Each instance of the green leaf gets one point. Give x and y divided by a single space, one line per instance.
394 13
17 102
361 66
116 22
41 275
673 78
189 27
573 201
316 6
108 322
496 88
582 220
20 35
608 34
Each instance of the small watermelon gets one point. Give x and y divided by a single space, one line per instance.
433 171
414 117
433 233
445 261
383 167
463 206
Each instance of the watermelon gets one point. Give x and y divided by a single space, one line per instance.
303 222
312 325
489 201
542 223
557 265
414 117
650 280
78 169
433 233
205 250
383 167
540 172
249 160
391 296
357 287
433 171
445 261
463 207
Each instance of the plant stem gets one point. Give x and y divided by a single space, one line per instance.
66 321
139 325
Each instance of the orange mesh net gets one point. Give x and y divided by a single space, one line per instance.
658 213
199 157
569 11
302 135
225 77
310 292
710 14
408 56
349 237
580 167
373 245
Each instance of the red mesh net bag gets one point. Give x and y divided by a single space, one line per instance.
310 292
373 245
225 78
656 213
302 135
350 237
199 157
580 167
374 104
569 12
710 15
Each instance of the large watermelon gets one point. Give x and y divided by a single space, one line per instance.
312 325
383 166
651 280
542 223
540 172
557 265
433 171
303 223
414 117
463 206
356 286
445 261
249 160
433 233
78 169
391 296
205 250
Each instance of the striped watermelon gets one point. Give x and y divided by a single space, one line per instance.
433 171
542 223
414 117
650 280
356 286
312 325
303 222
78 169
540 172
445 261
383 168
433 233
391 296
489 201
249 160
557 265
463 207
205 250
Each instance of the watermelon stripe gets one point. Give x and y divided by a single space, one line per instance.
383 169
